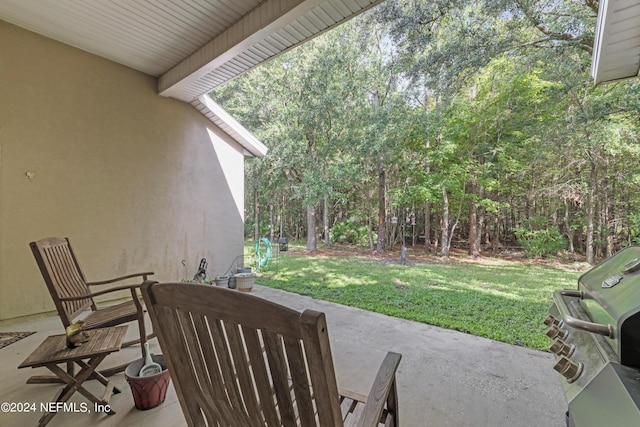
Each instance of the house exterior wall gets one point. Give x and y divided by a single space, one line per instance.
88 150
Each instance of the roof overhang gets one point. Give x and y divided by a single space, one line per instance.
191 46
616 52
270 29
222 119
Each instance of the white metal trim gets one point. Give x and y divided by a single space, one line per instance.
228 124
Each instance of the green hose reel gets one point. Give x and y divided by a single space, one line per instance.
263 256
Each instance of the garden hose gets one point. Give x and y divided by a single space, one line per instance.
263 259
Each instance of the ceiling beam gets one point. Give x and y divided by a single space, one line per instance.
258 24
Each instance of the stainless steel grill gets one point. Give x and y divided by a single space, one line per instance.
595 332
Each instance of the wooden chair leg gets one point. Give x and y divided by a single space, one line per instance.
137 340
392 403
143 334
120 368
115 370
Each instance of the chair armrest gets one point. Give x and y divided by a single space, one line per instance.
380 390
106 291
117 279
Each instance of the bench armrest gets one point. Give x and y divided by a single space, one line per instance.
382 391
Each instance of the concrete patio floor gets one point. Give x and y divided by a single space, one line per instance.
445 378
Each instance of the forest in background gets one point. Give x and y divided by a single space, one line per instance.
458 123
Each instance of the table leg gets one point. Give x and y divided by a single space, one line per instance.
75 384
98 376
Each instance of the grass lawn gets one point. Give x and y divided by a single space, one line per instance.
501 300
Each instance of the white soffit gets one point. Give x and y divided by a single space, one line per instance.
616 52
192 46
149 36
229 125
273 28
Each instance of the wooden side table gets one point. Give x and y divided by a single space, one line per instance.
54 351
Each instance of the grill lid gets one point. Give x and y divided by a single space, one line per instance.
611 295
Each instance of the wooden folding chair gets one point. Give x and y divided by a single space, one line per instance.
239 360
73 297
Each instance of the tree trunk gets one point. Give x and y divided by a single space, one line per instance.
381 190
311 228
567 224
445 224
452 232
495 241
256 203
370 231
482 226
508 234
427 169
392 236
427 226
591 211
271 223
436 234
413 225
381 207
608 213
474 249
325 218
481 229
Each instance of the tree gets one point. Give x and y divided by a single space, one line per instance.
479 117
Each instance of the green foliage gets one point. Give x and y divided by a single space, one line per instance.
538 239
249 228
350 231
490 100
634 227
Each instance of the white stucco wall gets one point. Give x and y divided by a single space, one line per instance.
88 150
